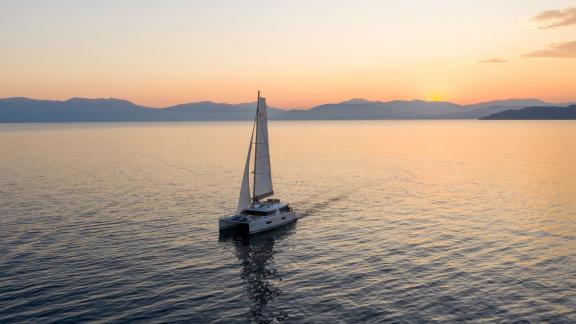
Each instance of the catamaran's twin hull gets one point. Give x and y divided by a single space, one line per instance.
255 224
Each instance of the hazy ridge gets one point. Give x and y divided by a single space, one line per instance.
22 110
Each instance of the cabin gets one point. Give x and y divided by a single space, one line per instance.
267 208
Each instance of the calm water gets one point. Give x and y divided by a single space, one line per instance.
402 221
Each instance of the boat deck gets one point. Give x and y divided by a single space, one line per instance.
266 206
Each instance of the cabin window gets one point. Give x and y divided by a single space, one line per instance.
259 213
268 222
285 209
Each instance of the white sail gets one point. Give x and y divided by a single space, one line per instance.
262 172
245 200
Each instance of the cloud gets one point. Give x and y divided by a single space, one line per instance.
558 50
556 18
493 60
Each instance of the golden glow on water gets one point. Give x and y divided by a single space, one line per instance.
519 164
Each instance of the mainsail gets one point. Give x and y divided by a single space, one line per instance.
262 172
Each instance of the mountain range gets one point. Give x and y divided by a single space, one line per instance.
22 110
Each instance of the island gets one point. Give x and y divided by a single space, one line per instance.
535 113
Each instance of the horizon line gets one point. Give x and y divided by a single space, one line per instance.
292 108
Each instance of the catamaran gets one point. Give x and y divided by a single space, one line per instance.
254 214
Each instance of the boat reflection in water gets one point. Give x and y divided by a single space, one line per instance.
259 273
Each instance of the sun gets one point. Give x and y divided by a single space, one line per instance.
436 97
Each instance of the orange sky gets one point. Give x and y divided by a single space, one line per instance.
299 53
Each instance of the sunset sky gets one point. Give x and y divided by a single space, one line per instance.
299 53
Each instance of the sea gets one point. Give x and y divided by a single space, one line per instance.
399 221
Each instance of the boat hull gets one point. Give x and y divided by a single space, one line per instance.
271 222
257 224
226 223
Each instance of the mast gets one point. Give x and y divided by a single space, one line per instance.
255 147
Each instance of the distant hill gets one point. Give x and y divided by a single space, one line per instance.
476 111
357 109
399 109
75 109
207 111
23 110
525 102
536 113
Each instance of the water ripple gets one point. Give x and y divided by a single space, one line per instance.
117 223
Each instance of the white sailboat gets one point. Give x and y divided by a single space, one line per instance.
255 214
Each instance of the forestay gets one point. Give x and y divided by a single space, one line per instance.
245 200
